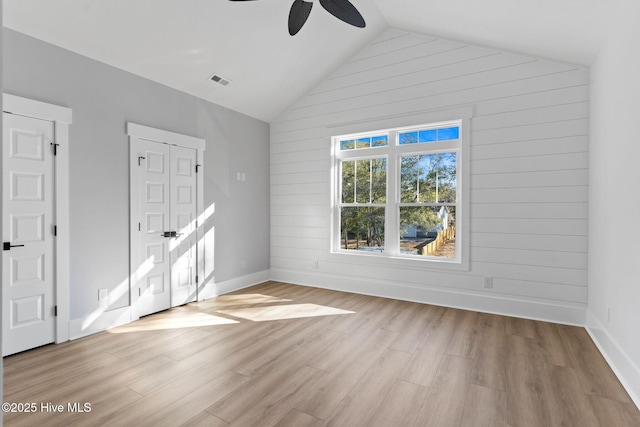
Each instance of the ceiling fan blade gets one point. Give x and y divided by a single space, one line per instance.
298 15
344 11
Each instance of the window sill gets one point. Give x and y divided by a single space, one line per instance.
399 261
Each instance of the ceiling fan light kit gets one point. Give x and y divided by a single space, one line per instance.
341 9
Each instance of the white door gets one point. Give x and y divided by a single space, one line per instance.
167 213
28 234
154 272
183 221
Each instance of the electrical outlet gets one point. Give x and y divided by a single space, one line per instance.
488 282
315 264
102 294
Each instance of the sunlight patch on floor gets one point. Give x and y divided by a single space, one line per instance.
186 320
281 312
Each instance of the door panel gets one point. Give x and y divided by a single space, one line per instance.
183 216
154 269
28 199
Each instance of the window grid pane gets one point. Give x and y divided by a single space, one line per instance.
364 142
362 228
364 181
428 230
428 178
428 135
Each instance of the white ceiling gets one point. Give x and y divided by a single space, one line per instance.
181 43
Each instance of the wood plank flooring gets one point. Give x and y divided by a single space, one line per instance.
283 355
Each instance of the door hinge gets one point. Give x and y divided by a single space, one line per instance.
55 230
196 278
139 227
55 148
197 166
55 311
139 158
139 293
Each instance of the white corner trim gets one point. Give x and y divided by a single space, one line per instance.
158 135
625 369
212 289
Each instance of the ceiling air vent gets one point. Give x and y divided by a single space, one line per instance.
220 80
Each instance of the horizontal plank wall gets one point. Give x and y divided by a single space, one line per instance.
529 147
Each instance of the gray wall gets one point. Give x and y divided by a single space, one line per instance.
103 98
614 201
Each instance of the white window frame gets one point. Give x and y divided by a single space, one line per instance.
393 152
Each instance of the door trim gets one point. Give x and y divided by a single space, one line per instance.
137 132
61 118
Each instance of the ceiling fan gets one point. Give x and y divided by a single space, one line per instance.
341 9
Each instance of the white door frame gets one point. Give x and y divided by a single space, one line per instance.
61 118
136 132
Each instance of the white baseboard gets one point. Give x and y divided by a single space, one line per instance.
99 321
625 369
558 313
214 289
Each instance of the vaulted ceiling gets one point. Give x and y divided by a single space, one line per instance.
181 43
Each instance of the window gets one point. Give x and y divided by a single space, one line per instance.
398 192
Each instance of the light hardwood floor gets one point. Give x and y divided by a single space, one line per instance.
283 355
